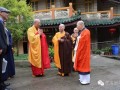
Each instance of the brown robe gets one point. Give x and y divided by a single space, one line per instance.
65 54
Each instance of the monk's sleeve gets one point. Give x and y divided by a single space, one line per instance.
34 48
80 50
32 37
56 51
55 39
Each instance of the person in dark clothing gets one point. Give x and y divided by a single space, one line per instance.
3 43
65 53
10 69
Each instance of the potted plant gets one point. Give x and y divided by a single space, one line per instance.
97 51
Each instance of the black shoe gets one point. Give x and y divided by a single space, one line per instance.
40 75
7 84
8 89
66 74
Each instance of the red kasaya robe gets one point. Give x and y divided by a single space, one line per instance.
82 58
45 57
38 51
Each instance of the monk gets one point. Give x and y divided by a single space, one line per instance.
38 49
82 54
74 37
62 51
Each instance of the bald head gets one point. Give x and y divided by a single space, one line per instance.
75 30
37 23
80 25
36 20
61 27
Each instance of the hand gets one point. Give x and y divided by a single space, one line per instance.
74 67
59 39
62 40
13 50
40 31
0 51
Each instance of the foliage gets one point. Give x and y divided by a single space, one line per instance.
51 51
19 18
21 57
105 50
97 51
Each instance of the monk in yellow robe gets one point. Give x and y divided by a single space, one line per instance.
82 53
62 51
38 49
74 37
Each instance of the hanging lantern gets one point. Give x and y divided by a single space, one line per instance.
112 30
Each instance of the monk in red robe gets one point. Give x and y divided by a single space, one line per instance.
82 53
38 49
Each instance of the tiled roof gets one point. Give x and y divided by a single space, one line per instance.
97 22
76 17
102 22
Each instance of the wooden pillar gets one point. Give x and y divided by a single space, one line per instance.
53 11
111 12
70 10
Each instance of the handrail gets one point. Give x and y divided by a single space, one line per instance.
116 14
45 10
62 8
96 12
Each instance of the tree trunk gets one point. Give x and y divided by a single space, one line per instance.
17 48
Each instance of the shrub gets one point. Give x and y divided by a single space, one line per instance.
51 51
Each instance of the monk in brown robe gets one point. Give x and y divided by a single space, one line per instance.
62 51
82 53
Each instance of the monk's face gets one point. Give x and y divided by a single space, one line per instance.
80 27
37 24
75 30
61 28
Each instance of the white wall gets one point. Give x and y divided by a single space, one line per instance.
41 5
59 3
81 6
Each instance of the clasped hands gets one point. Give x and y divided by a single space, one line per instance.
62 40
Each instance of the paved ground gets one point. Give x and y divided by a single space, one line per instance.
104 70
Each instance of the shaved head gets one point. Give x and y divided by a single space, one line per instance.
80 25
36 20
36 23
61 27
75 30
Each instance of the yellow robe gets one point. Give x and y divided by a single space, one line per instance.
56 48
34 47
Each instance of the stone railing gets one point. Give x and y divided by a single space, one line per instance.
54 13
43 15
61 14
98 15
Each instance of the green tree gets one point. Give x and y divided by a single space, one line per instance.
19 19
